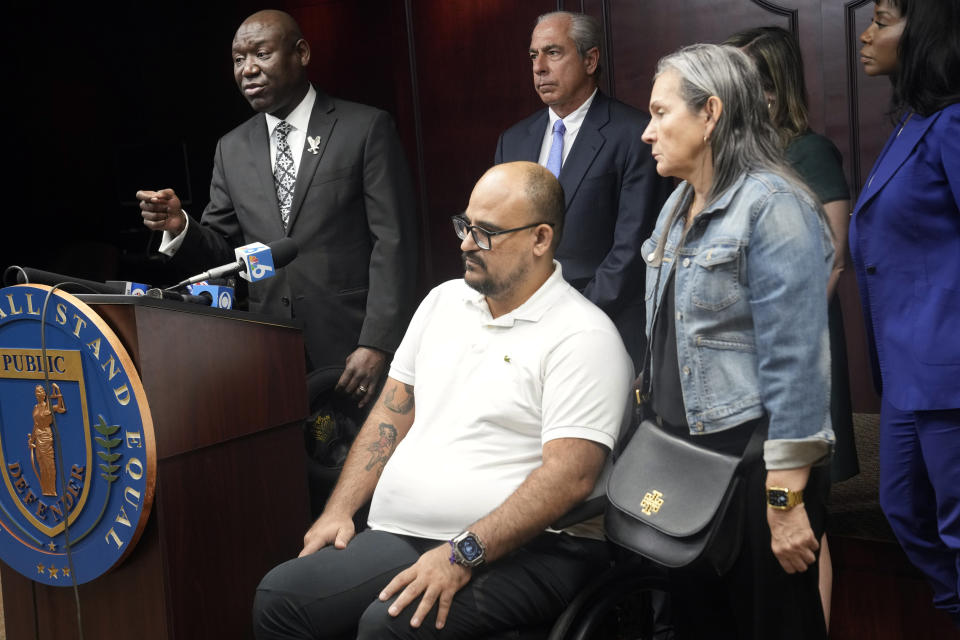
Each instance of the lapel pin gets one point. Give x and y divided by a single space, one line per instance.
314 142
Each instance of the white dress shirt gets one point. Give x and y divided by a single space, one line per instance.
572 122
299 119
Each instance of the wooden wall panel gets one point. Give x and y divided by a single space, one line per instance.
357 47
361 51
474 81
642 34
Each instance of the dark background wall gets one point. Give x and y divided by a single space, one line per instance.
109 101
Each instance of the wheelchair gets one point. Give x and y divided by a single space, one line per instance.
625 601
629 600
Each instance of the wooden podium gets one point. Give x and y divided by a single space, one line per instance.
228 396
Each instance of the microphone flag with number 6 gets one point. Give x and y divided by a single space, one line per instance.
257 259
254 262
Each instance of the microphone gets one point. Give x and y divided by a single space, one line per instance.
167 294
255 261
29 275
217 296
130 288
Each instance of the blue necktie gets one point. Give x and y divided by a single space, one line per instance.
555 159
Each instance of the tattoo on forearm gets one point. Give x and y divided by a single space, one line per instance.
402 404
382 449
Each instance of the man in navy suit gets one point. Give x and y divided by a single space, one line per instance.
351 210
613 193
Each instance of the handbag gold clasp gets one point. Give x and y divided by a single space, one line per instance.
651 503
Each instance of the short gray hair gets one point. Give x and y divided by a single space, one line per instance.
585 31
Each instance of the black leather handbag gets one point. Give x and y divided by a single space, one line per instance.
677 503
670 500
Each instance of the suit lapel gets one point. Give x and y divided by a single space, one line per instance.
322 121
530 150
586 147
260 152
894 154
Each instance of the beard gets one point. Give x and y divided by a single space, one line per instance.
483 282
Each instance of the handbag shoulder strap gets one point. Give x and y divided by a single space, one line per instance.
754 449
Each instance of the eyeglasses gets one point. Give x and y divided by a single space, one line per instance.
480 235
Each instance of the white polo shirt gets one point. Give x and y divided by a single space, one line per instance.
489 393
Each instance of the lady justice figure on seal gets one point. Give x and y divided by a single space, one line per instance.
40 439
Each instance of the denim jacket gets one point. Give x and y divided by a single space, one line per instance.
751 313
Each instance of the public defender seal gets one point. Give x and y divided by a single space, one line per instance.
77 451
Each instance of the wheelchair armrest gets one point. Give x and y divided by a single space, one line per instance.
583 511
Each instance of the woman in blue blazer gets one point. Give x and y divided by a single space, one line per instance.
905 243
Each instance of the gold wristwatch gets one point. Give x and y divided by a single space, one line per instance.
783 499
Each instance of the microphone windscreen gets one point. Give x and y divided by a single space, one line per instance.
217 295
25 275
284 251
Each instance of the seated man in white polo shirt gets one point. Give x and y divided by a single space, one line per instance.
520 389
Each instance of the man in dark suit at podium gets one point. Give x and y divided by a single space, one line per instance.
592 144
328 173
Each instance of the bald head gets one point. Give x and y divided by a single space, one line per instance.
270 59
280 20
529 186
516 210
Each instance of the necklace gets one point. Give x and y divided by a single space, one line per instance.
910 115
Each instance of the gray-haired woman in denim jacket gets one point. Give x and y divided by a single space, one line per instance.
737 270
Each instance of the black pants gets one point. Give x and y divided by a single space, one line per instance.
331 593
756 599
